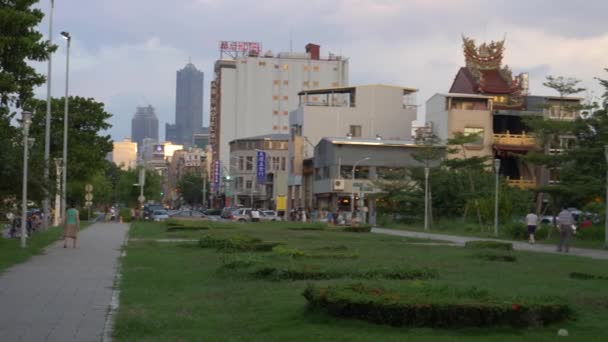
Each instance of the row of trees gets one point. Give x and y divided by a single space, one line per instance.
464 187
20 44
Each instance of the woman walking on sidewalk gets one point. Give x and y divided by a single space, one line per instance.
71 226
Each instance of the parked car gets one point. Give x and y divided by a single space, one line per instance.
269 215
159 215
227 212
213 214
188 215
150 208
241 215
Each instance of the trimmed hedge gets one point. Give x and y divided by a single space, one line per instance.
430 308
314 273
586 276
298 253
358 229
237 243
494 256
489 244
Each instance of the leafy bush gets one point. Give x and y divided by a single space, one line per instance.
291 252
519 231
414 306
585 276
358 229
494 256
231 262
332 248
125 213
593 233
489 244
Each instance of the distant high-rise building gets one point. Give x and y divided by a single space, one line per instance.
144 125
188 106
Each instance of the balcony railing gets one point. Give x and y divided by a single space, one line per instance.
514 139
522 183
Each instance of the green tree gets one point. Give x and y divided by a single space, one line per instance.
548 131
191 186
20 43
127 193
87 147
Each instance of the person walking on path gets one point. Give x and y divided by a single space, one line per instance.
71 226
565 220
531 222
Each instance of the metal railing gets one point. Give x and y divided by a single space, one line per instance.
514 139
522 183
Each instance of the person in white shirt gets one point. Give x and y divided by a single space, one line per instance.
531 222
565 220
255 215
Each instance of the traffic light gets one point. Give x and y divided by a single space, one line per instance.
162 193
227 177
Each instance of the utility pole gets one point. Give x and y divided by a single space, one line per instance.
47 130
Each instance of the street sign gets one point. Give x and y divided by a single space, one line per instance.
261 167
88 203
88 188
216 176
141 198
88 197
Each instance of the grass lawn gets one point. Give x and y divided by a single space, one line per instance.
181 292
11 252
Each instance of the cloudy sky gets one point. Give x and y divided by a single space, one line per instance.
125 52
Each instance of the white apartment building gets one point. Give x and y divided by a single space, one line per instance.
382 112
124 154
252 95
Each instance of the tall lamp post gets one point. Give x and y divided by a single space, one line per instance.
66 36
47 129
352 177
27 120
59 169
496 170
426 198
606 217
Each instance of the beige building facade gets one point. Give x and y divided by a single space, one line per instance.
124 154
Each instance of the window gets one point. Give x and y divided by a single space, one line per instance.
306 83
561 112
262 63
276 82
276 66
249 165
469 105
285 82
335 84
315 68
285 97
326 172
306 68
283 159
241 162
248 184
315 99
285 67
275 127
318 174
355 130
275 112
285 128
475 131
275 97
315 84
275 163
500 99
239 183
285 112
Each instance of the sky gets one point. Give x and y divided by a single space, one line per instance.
125 53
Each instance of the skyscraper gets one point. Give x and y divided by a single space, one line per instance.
144 125
188 106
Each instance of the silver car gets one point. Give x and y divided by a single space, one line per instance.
269 215
159 215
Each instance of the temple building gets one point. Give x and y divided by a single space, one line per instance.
487 100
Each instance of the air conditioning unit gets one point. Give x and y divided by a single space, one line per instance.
338 185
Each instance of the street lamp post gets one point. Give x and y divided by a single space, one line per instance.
27 120
47 128
426 198
352 177
496 169
59 168
606 216
66 36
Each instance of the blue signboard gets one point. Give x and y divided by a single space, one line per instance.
261 167
216 176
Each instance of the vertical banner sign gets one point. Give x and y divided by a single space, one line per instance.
216 176
261 167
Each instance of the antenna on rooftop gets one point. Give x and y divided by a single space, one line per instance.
290 41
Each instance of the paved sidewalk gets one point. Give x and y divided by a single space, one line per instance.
64 294
520 246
